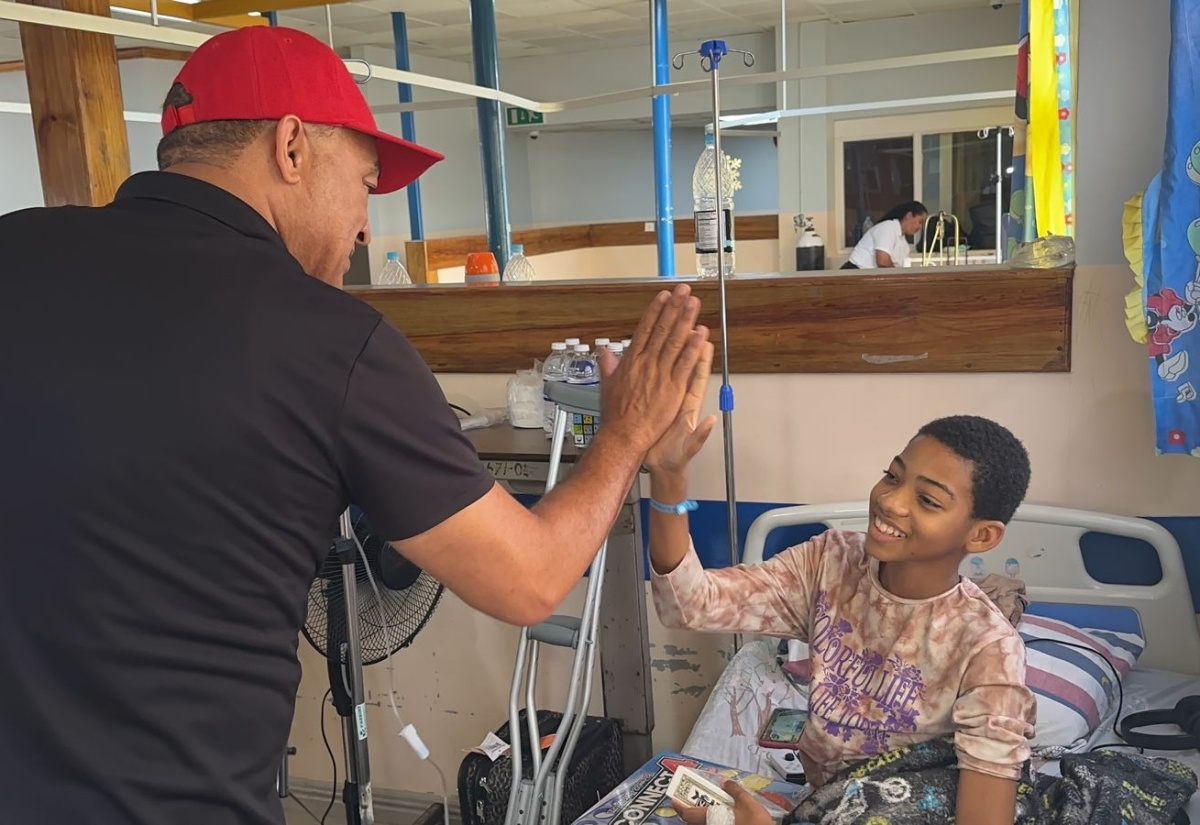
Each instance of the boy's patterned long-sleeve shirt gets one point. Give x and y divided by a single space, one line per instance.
886 671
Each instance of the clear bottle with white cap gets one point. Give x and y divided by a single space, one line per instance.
553 371
582 367
518 269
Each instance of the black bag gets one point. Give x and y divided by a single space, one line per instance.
596 767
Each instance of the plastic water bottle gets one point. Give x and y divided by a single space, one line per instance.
571 344
553 371
582 367
601 345
625 342
707 214
617 349
393 272
518 267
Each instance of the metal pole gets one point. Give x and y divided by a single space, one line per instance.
358 769
664 208
408 123
272 18
486 56
999 193
714 50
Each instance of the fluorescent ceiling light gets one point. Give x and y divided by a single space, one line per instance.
148 16
7 107
732 121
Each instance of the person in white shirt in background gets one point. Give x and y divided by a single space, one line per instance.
886 243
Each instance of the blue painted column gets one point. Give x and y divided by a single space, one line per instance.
408 122
661 120
486 54
272 18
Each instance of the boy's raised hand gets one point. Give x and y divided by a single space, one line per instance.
687 434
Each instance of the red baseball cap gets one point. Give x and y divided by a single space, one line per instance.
267 72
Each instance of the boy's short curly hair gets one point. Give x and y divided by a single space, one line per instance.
1000 477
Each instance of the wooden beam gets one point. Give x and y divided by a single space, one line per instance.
976 319
208 9
78 112
417 260
142 52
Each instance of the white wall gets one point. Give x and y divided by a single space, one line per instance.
921 35
1121 118
612 174
806 149
562 77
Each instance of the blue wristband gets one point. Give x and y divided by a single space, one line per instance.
674 509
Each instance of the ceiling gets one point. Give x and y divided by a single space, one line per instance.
441 28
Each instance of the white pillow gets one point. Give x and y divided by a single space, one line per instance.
1075 688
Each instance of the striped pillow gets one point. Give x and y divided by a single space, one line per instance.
1074 688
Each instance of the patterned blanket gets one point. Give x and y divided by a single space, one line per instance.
917 785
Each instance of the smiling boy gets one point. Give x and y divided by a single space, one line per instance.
902 648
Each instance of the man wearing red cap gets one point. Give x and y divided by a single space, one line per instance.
191 402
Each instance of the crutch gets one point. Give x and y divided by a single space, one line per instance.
537 799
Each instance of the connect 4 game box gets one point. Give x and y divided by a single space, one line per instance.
584 427
642 798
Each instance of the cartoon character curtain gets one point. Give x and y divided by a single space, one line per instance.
1162 243
1043 180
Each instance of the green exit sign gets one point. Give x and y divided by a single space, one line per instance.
524 117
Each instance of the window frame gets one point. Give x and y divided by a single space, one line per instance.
913 126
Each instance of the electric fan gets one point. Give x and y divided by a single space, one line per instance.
352 626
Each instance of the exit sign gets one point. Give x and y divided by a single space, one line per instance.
524 117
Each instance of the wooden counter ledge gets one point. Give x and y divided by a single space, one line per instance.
965 319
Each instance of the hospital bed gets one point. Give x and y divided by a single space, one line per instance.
1044 548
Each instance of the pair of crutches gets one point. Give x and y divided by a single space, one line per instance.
537 799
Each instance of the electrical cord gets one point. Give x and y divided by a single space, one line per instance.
303 807
407 732
1120 691
332 760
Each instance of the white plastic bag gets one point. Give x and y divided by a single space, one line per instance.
525 405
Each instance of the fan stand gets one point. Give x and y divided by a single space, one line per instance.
346 684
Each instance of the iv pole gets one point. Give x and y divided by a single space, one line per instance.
983 135
711 52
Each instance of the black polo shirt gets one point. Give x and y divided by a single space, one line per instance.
184 415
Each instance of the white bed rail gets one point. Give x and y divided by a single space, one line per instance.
1042 548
